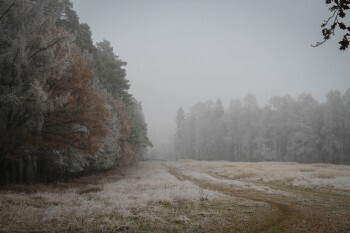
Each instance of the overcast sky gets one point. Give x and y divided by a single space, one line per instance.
183 51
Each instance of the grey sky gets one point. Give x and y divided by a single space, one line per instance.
180 52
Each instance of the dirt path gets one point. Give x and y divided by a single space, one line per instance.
285 212
313 196
293 215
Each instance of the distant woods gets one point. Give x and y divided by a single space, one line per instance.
65 108
285 129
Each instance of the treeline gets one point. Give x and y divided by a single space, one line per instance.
65 108
285 129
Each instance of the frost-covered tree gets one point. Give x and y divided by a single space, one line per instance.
64 103
32 51
110 77
111 73
138 126
346 99
334 130
305 140
180 134
75 123
285 129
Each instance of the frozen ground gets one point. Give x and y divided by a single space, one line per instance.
187 196
309 176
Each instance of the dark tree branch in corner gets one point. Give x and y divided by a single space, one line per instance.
329 26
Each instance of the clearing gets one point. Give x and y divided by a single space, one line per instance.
187 196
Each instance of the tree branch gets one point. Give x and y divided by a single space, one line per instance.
8 10
47 47
325 23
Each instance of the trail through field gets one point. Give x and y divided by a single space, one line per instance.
185 196
285 211
298 210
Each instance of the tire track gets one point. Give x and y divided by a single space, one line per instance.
286 213
312 196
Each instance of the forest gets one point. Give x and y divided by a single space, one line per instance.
76 153
285 129
66 109
65 106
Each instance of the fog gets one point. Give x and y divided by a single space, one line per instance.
182 52
250 123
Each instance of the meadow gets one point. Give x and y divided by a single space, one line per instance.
186 196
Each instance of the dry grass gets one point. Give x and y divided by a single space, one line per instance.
244 174
306 169
290 173
324 175
226 197
89 189
298 210
96 205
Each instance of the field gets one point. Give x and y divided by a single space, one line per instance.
187 196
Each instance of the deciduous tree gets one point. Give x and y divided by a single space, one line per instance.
337 20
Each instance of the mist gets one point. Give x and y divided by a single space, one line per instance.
174 116
183 52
